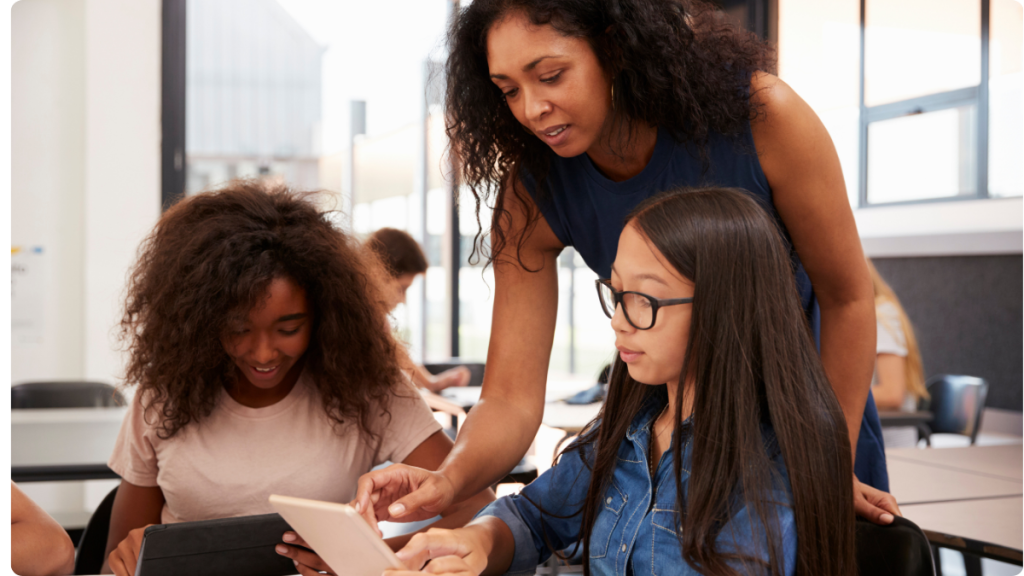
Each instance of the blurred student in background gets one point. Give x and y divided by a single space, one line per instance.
405 260
39 546
898 382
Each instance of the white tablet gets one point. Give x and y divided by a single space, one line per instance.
338 534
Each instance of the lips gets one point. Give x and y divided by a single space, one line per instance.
555 135
628 355
261 373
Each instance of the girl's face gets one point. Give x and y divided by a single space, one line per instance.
653 356
553 84
397 287
269 344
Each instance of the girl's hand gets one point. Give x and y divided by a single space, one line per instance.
125 557
401 493
873 504
448 551
306 562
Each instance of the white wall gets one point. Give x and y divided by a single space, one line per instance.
954 228
122 154
86 171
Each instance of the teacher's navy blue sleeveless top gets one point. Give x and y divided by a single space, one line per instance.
586 210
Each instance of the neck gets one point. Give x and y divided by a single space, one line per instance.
623 151
673 399
251 396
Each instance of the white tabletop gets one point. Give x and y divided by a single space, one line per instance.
917 483
1006 462
995 520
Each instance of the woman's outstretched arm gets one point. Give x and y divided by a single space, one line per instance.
808 190
501 427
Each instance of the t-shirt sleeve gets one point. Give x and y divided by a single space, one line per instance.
410 424
891 339
134 456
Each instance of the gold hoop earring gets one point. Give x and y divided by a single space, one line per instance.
613 96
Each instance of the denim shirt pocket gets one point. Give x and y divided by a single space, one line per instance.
666 557
607 519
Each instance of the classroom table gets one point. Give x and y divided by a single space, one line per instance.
1006 461
63 443
991 526
963 498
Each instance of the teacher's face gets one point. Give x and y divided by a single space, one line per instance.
554 84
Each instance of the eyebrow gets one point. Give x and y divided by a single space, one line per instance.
288 317
526 68
651 277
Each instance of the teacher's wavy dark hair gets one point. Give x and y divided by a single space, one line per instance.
210 260
676 64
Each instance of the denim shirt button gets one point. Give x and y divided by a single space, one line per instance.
609 500
623 547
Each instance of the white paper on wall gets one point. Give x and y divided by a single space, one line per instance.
27 287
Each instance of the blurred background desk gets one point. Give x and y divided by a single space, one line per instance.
63 443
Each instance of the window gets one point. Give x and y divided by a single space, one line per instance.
921 97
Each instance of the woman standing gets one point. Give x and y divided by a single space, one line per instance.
564 116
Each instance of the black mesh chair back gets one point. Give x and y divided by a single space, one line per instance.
476 369
69 394
899 549
957 403
93 544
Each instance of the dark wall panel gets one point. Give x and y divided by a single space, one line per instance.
967 315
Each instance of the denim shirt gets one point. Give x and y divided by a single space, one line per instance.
635 531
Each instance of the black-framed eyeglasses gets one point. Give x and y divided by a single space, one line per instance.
640 309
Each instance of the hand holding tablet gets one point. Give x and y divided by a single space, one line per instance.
343 540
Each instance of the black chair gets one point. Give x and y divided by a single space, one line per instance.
476 369
93 544
957 403
67 394
898 549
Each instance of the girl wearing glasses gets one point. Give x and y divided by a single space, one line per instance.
721 448
565 115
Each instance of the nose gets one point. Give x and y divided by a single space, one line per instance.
263 350
537 106
619 322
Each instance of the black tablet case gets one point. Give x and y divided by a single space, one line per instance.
241 546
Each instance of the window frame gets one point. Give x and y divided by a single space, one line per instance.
974 95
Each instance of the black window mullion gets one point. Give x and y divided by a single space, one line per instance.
982 114
172 102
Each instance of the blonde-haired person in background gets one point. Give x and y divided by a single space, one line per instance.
898 383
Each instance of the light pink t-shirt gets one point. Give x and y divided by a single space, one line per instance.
230 462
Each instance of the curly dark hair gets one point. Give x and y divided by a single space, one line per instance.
210 260
676 64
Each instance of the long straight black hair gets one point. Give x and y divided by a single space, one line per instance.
751 360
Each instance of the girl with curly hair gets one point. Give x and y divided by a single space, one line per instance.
563 116
263 363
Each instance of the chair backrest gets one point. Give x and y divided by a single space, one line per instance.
476 369
957 403
67 394
93 544
898 549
